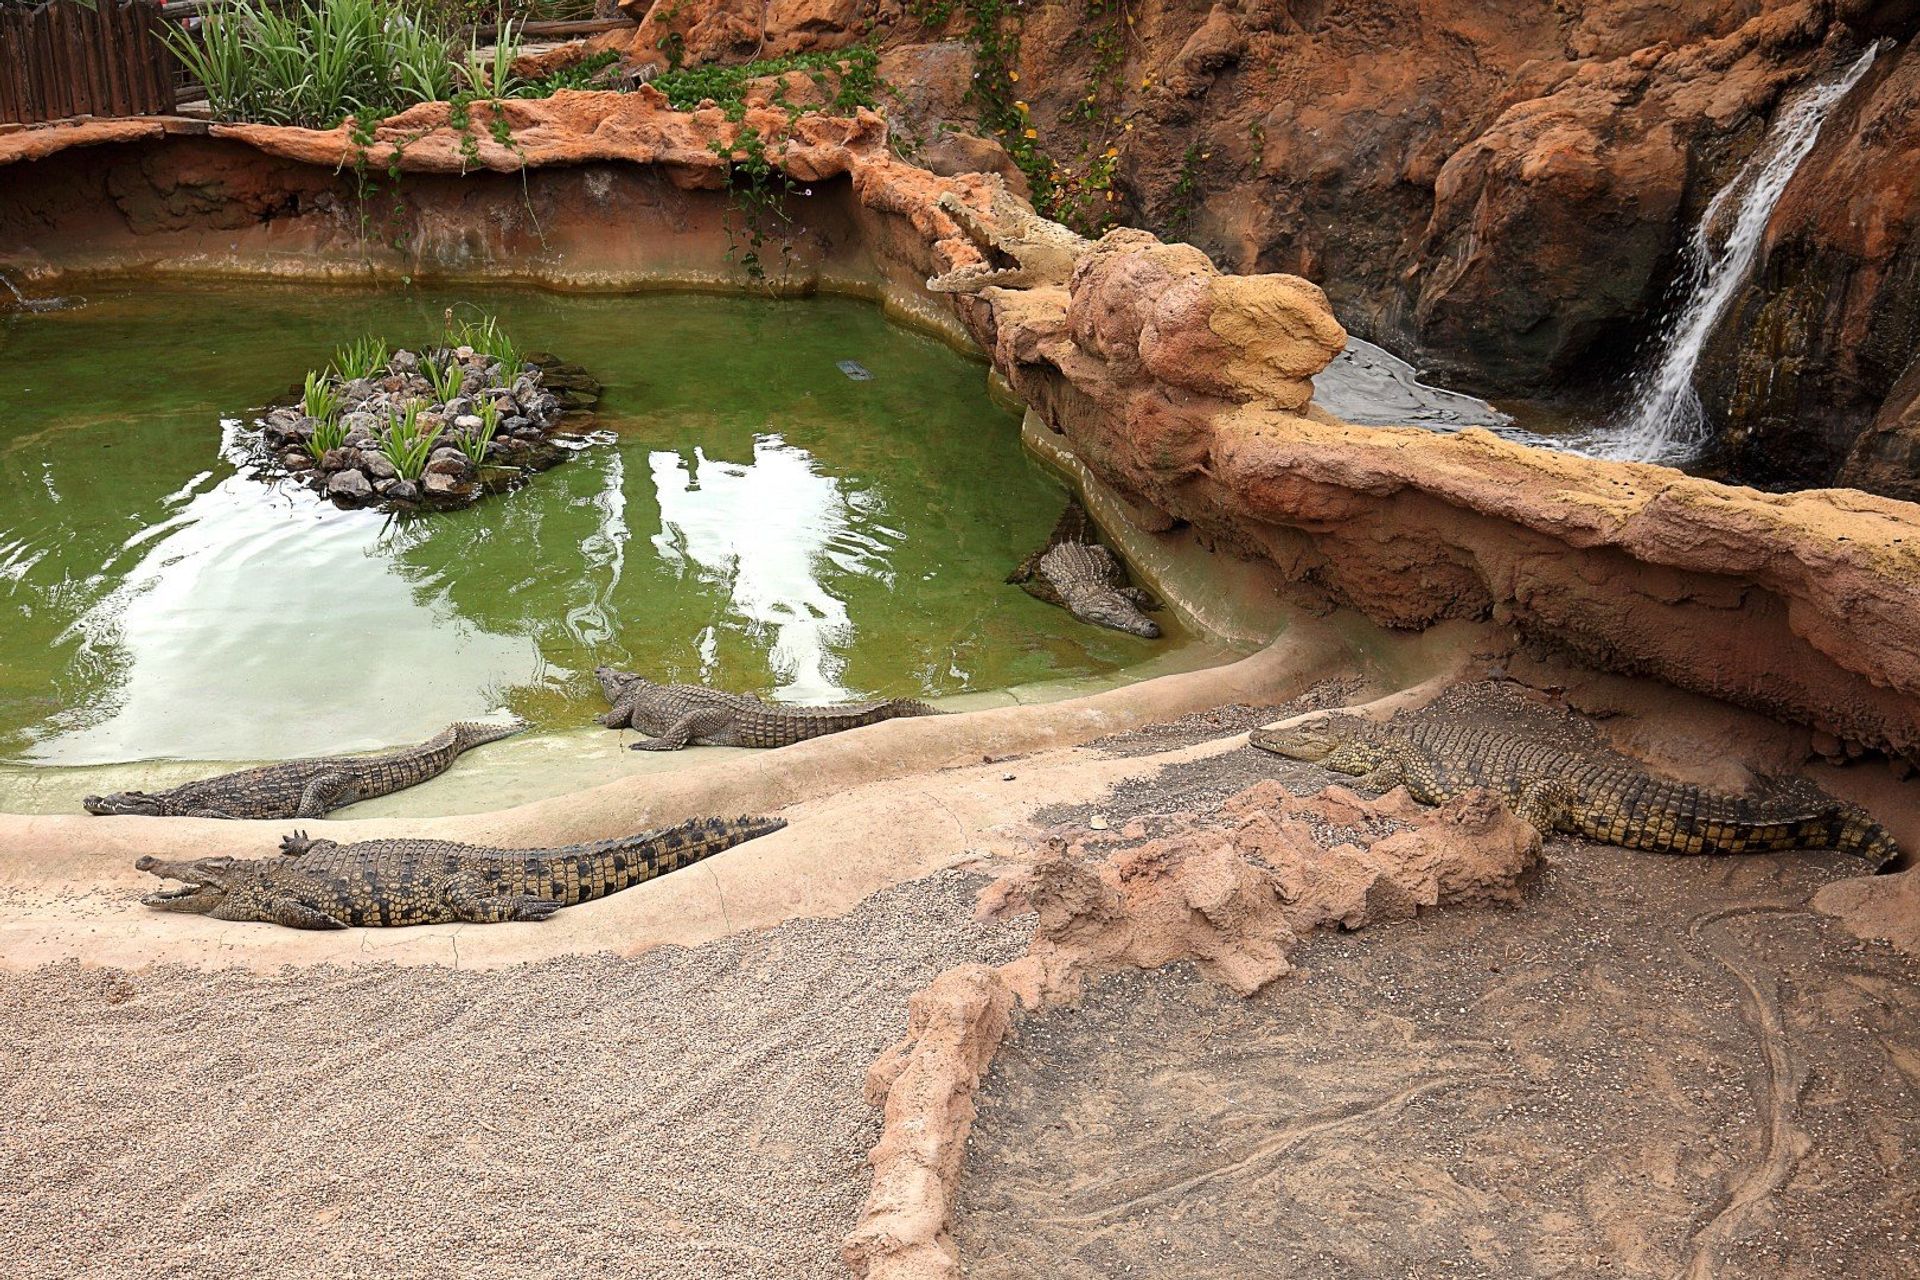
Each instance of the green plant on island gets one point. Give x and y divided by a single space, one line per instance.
445 376
408 443
320 398
474 442
487 337
328 434
361 358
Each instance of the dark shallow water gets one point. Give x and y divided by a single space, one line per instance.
755 519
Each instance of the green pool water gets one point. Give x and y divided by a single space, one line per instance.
754 519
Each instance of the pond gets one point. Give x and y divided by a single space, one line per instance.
753 516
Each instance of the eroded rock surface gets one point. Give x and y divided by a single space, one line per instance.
1235 894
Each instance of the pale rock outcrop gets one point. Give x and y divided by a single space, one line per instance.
1232 894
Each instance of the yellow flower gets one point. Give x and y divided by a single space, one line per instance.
1014 76
1033 133
1112 152
1021 105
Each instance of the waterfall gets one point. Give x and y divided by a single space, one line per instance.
1665 421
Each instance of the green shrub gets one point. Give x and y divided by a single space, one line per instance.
408 444
320 398
489 339
446 377
330 434
361 358
474 443
317 63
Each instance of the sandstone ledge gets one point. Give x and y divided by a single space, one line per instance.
1184 391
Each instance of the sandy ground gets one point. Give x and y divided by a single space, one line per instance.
696 1113
1656 1067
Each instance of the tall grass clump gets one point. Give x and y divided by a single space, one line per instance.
445 377
320 398
328 434
361 358
408 444
490 340
319 62
474 443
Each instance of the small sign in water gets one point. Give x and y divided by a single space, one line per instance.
857 371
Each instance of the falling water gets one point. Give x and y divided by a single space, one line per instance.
1665 421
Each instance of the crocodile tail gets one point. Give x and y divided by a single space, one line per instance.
699 838
469 734
911 707
1861 835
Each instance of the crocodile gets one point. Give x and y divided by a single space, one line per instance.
304 788
322 884
1592 792
676 715
1021 249
1079 575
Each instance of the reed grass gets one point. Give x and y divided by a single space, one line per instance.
408 444
317 63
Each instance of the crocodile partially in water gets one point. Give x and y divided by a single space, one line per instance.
305 788
677 715
321 884
1590 792
1074 572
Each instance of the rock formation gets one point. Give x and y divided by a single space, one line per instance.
1233 894
1499 195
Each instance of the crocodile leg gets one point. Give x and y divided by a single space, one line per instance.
695 724
1543 806
300 844
298 915
327 791
470 903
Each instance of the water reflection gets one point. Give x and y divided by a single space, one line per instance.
238 633
767 534
755 519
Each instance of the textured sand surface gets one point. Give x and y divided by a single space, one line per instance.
1655 1067
695 1113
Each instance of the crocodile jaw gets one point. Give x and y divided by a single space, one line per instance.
1116 612
204 887
120 803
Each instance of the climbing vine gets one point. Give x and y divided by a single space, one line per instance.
1084 193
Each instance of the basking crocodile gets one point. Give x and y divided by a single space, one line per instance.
1022 250
1591 792
1079 575
676 715
305 788
320 884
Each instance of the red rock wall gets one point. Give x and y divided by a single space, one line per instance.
1497 190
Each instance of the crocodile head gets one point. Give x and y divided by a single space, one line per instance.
218 887
1111 609
614 683
1341 743
121 803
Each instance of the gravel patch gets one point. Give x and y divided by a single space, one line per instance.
693 1113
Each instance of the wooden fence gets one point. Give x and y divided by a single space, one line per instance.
63 59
